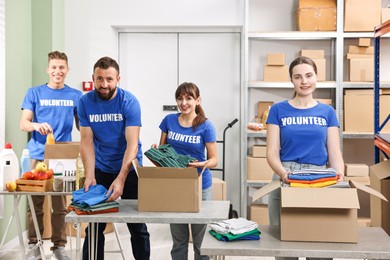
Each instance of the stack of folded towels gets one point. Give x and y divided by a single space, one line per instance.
235 229
93 201
313 178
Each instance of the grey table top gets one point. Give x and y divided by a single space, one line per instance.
373 243
213 210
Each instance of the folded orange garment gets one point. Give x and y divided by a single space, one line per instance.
313 185
81 212
315 181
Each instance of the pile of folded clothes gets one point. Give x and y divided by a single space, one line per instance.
235 229
313 178
92 202
166 156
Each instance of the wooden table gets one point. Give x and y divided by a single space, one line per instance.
16 216
373 243
128 213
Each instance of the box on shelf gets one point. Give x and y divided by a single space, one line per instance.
259 214
276 73
321 68
361 15
352 49
385 14
258 169
327 101
263 106
320 3
361 70
304 210
316 18
365 180
166 189
313 54
259 151
359 111
219 189
356 170
364 42
380 181
360 56
275 59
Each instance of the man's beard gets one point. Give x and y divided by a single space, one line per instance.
106 96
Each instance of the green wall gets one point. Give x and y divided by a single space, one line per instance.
32 29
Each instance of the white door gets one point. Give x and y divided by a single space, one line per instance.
154 64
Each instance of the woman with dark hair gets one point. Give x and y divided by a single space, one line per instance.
189 132
301 133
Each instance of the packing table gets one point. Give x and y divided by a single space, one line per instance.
373 243
16 215
212 210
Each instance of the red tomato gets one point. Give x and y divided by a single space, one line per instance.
28 176
41 176
50 173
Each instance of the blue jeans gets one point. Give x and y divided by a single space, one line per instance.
274 200
140 242
180 236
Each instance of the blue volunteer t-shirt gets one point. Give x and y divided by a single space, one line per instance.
108 120
57 107
303 132
186 141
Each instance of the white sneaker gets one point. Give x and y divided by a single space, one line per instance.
60 254
33 254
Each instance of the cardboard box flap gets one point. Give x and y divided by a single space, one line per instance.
265 190
381 170
324 198
165 172
367 189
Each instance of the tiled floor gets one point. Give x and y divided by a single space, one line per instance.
160 242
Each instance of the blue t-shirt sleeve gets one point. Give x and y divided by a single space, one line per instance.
28 102
164 124
132 112
81 113
209 133
332 118
273 115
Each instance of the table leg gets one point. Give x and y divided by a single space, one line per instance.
19 226
36 227
78 240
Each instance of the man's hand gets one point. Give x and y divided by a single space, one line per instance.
89 182
116 188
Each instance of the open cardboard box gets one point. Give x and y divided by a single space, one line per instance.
166 189
318 214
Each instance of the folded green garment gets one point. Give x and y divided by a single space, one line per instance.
96 207
166 156
250 235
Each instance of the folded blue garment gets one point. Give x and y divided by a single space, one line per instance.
96 194
310 177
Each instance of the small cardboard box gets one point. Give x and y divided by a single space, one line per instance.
321 68
312 54
219 189
259 151
316 18
318 214
361 15
262 106
258 169
364 42
61 157
359 56
352 49
356 170
317 3
385 14
380 181
276 73
327 101
361 69
259 214
275 59
166 189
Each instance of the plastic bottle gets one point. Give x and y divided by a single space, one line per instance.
9 164
25 162
80 175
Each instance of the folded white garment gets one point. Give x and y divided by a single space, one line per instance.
234 225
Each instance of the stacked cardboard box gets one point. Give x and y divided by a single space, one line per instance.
361 15
361 61
276 70
318 56
357 172
257 167
385 14
316 15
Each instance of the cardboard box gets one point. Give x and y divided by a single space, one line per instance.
318 214
259 214
219 189
61 157
166 189
317 3
316 18
385 14
276 73
359 112
356 170
258 169
312 54
365 180
275 59
352 49
327 101
361 15
364 42
360 56
380 181
361 70
263 106
321 69
259 151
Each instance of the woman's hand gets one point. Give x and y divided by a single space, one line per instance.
198 164
154 146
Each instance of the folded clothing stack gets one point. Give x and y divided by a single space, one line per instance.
166 156
313 178
92 202
235 229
